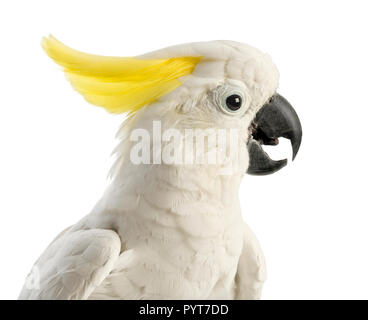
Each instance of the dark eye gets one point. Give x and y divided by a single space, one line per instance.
234 102
232 99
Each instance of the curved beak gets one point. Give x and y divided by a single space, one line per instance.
275 119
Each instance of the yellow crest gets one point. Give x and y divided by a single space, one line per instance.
119 84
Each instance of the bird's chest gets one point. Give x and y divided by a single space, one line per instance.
180 241
178 262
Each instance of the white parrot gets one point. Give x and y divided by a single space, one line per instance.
171 229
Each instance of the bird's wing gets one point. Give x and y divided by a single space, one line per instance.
251 272
73 265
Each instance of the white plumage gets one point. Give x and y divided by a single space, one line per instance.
170 231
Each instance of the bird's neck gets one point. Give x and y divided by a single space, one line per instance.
171 169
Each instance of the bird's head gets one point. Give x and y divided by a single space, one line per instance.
216 84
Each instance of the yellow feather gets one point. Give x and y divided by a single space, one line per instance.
119 84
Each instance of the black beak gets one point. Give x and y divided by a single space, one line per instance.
277 118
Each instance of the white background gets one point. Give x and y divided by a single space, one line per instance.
311 218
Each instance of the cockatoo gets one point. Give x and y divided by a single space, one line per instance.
168 227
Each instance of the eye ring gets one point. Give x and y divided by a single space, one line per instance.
231 100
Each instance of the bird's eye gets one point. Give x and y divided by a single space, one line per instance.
231 98
234 102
